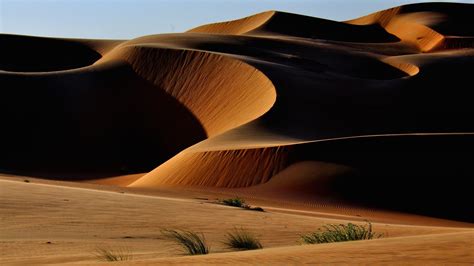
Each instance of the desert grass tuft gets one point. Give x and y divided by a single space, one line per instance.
340 232
191 242
107 254
242 240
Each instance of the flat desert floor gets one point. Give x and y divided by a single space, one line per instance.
52 222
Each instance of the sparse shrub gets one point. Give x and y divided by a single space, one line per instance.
340 232
107 254
242 240
234 202
239 202
192 243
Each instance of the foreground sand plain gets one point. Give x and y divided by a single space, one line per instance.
79 218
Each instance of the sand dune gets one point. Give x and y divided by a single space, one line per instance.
229 168
368 113
235 27
427 26
247 93
308 81
286 24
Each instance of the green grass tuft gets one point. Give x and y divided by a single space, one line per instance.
106 254
191 242
340 232
242 240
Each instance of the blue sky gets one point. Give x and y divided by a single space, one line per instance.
125 19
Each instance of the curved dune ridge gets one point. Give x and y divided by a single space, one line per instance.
219 98
274 105
403 65
229 169
287 24
235 27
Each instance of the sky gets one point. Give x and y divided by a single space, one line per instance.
126 19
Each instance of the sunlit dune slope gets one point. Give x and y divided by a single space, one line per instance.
220 99
235 27
228 168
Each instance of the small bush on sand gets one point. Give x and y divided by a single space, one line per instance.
240 203
234 202
242 240
191 242
340 232
107 254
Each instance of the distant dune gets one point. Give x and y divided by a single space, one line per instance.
376 111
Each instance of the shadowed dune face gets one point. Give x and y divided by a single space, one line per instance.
97 121
275 105
402 173
282 23
32 54
379 172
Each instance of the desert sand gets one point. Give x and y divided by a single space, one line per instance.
77 219
316 121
